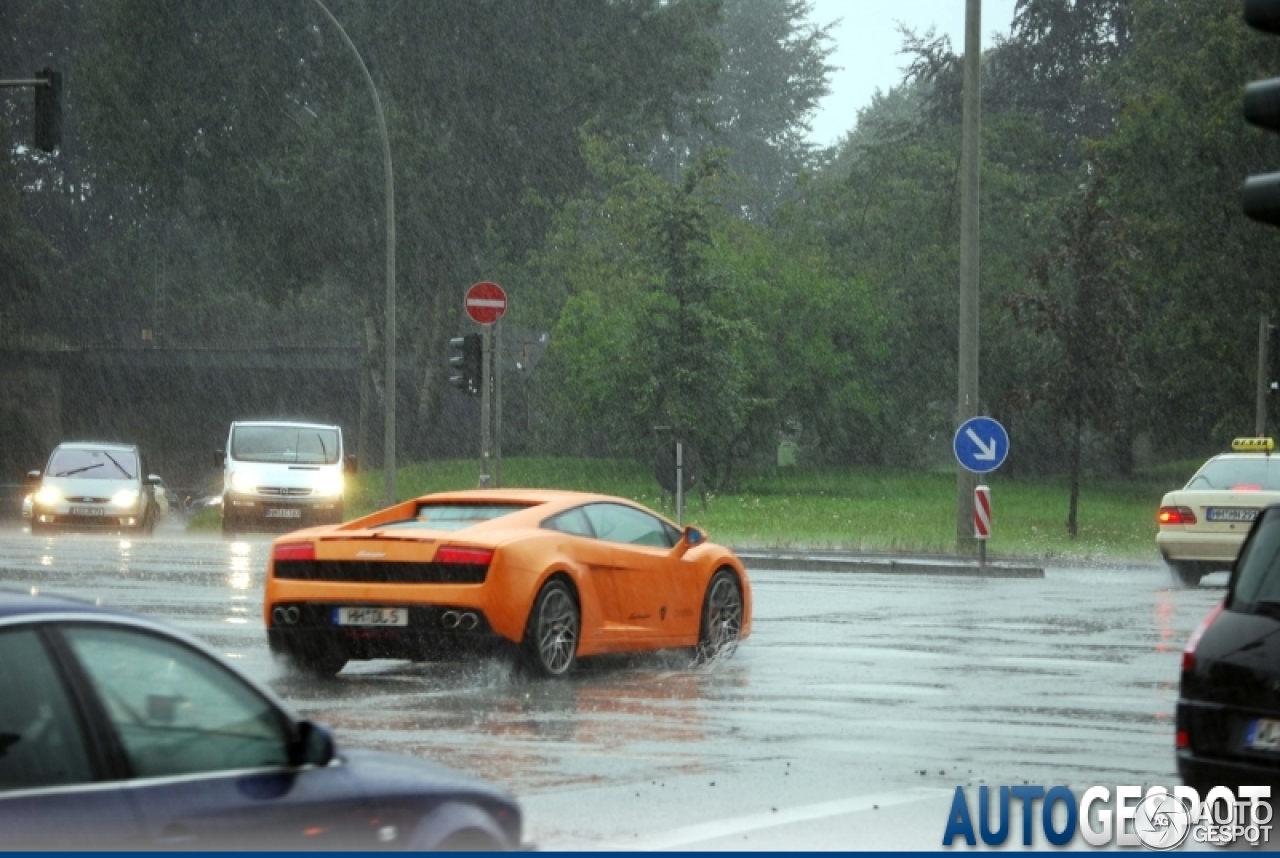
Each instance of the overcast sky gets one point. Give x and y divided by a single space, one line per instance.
866 49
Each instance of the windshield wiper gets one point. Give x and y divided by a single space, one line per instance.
118 465
75 471
324 451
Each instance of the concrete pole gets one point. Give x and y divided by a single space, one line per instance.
970 166
389 384
1260 414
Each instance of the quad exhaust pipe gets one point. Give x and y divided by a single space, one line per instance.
464 620
282 616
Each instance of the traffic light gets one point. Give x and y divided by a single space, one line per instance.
48 134
465 363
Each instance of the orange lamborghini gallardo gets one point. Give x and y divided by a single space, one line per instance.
552 575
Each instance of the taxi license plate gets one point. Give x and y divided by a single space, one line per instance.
88 510
1263 735
371 616
283 513
1231 513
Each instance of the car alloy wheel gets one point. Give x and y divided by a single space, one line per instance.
721 616
552 638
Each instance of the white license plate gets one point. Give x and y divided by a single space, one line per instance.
283 513
1230 513
1263 735
371 616
88 510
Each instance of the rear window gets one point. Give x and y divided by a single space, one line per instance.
293 445
455 516
93 464
1258 568
1261 473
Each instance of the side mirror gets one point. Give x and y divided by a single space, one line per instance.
694 536
311 745
152 480
33 476
218 458
351 465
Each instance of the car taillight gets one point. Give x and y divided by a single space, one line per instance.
294 551
1176 515
1189 652
463 554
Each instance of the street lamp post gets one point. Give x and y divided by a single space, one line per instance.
389 382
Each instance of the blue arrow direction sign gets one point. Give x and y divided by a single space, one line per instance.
981 445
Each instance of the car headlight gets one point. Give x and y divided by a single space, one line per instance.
48 496
125 498
244 481
329 483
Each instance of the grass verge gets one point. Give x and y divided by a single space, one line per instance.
869 509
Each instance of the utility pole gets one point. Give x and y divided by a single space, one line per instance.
970 165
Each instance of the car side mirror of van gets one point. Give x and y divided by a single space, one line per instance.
152 480
218 458
351 465
33 476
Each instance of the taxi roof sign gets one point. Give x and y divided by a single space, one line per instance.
1253 445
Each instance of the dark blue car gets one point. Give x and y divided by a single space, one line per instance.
118 732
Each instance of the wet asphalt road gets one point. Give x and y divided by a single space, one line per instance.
846 721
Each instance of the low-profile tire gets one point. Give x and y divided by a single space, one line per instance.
39 528
721 616
1186 573
550 646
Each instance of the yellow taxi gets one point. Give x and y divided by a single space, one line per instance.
1203 524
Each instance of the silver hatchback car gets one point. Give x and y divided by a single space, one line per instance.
90 485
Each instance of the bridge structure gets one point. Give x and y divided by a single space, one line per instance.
176 402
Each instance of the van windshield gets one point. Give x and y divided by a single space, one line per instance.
300 445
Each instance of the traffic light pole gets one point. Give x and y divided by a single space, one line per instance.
497 405
1264 338
486 394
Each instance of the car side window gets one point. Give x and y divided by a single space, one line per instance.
177 711
614 522
41 744
573 522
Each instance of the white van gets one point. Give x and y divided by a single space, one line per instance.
282 476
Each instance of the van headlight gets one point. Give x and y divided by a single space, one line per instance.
329 483
244 481
125 498
48 496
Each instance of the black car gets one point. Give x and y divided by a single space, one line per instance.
1228 725
118 732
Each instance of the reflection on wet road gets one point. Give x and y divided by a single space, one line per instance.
853 687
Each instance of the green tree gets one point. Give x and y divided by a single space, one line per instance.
1084 310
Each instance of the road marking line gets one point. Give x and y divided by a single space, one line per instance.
739 825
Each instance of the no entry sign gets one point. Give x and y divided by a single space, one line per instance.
485 303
